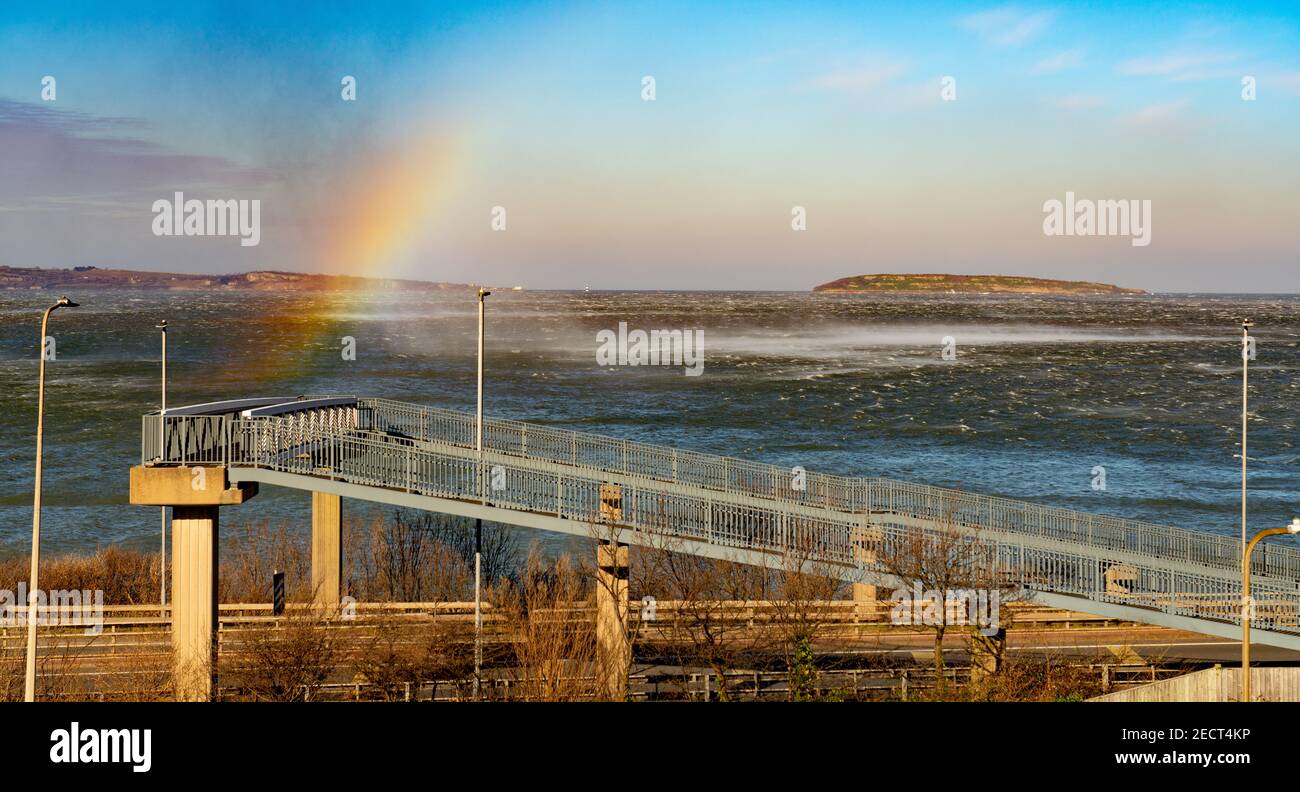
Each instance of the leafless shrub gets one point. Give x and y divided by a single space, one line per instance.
419 556
287 661
12 665
252 552
704 628
138 675
947 558
395 660
800 599
1033 677
548 617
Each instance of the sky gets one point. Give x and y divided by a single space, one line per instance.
517 143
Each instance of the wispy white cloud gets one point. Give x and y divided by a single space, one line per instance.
59 159
1058 62
1182 65
1008 26
1076 101
1160 117
858 79
1287 82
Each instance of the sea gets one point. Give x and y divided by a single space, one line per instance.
1120 405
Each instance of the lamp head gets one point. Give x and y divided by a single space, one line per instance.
1246 324
162 325
64 302
482 292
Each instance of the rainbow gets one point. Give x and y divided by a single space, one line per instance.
387 205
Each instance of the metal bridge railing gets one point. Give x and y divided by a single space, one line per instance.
433 424
779 530
855 494
227 440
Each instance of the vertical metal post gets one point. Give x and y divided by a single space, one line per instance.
29 689
1246 604
478 523
277 593
1246 324
162 435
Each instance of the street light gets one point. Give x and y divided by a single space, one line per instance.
1293 528
478 522
1246 324
29 687
162 455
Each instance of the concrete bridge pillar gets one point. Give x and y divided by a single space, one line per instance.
194 601
326 549
613 644
196 494
863 538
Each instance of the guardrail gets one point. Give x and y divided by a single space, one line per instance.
863 495
729 503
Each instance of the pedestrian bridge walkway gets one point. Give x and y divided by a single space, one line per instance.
589 485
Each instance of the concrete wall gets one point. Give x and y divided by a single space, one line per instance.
1216 684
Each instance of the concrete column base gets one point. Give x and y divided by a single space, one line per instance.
864 602
326 549
613 644
863 539
194 601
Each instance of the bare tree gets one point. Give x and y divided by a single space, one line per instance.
801 599
397 657
940 569
252 552
287 661
415 556
707 596
548 617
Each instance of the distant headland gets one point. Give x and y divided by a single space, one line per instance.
264 280
966 284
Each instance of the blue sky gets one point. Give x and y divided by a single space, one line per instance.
538 108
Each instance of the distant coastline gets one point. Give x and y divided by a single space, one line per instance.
965 284
261 280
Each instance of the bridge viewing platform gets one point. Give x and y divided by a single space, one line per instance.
201 457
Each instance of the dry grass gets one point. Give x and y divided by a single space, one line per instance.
399 556
127 577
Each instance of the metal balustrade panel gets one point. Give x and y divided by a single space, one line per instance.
730 503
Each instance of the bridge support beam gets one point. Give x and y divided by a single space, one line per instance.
613 644
326 549
194 601
864 594
196 494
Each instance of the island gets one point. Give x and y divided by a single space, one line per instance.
264 280
965 284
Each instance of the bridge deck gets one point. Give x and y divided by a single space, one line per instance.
589 485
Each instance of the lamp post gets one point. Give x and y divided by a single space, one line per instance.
1246 324
1293 528
29 687
162 455
478 523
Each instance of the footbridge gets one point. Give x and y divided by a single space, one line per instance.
204 456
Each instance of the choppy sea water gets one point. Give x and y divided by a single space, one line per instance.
1042 390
